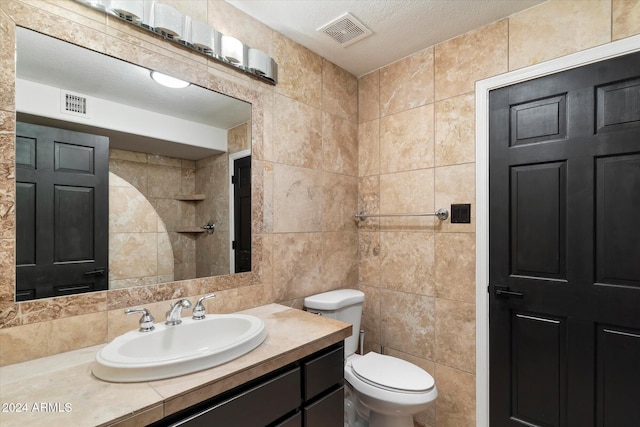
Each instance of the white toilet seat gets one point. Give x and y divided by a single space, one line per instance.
391 373
387 397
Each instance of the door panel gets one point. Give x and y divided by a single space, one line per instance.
73 158
74 216
618 376
25 152
617 214
539 120
538 379
564 204
26 223
538 199
618 104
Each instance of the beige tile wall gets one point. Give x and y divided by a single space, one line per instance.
416 153
140 251
239 138
212 250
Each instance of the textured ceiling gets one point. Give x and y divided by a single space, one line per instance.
400 27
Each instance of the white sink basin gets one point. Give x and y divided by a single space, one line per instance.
170 351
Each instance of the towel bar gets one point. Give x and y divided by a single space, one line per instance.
442 214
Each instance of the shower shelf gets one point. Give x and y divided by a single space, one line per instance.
196 197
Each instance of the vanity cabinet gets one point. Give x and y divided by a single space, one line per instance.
306 393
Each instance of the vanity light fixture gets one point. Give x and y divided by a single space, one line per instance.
183 30
169 81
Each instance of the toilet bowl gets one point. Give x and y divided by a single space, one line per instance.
391 389
388 390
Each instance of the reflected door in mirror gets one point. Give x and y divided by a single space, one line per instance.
62 208
242 213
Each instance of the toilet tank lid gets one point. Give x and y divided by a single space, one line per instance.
333 300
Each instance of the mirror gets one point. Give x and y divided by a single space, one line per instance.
173 213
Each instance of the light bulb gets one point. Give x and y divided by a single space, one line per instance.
169 81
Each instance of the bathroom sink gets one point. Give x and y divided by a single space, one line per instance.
170 351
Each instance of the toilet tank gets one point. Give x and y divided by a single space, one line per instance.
344 305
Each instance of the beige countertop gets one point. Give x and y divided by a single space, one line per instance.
60 390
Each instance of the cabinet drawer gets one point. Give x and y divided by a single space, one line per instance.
255 407
326 412
323 372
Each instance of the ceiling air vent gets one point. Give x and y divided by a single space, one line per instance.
74 103
346 30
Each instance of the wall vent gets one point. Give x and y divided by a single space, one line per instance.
74 103
346 30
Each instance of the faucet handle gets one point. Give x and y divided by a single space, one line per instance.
146 321
199 311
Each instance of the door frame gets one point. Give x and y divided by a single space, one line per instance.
578 59
232 211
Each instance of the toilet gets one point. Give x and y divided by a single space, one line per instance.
388 391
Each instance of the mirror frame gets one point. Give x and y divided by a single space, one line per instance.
116 39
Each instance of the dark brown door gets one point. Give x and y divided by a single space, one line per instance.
242 213
62 212
565 248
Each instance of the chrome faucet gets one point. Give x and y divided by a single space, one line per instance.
175 312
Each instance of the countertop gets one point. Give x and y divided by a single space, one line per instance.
60 390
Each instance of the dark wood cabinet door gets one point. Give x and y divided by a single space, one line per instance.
564 176
327 411
62 212
322 373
